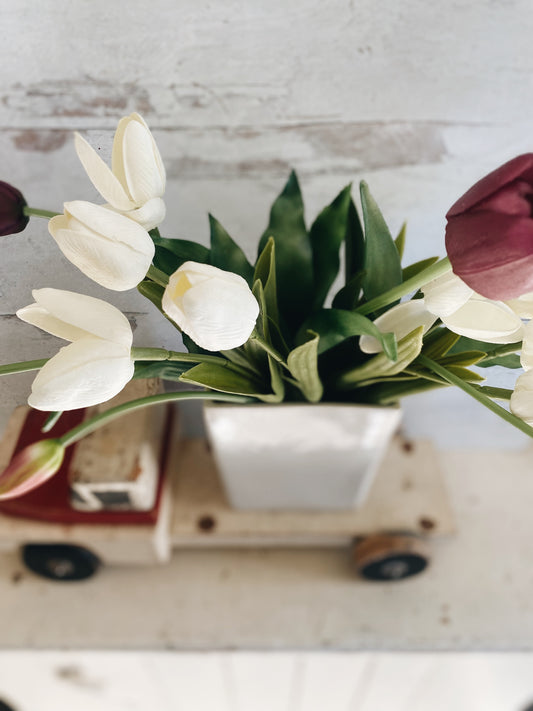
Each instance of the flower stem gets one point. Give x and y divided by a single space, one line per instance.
85 428
408 286
475 393
10 368
157 275
36 212
162 354
266 347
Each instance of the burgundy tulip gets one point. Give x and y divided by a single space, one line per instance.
489 235
12 203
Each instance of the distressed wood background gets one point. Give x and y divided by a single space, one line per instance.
419 98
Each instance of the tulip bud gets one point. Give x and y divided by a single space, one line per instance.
109 248
31 467
135 184
12 203
214 307
489 235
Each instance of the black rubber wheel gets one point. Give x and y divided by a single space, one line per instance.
389 557
5 706
60 561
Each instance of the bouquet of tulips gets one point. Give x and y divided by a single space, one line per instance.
270 330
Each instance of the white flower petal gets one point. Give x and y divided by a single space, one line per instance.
215 308
109 264
141 169
38 316
86 314
150 215
109 248
522 306
101 176
400 320
485 320
521 403
84 373
446 294
109 224
526 353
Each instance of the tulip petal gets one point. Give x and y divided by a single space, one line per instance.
492 253
109 224
446 294
521 403
522 306
71 316
400 320
519 167
101 176
101 261
109 248
219 319
485 320
526 352
84 373
142 172
150 215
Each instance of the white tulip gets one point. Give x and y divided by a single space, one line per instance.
215 308
400 320
521 403
95 366
485 320
135 183
446 294
109 248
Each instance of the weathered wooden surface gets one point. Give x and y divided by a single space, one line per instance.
419 98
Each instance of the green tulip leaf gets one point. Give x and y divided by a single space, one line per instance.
327 234
303 365
399 242
379 366
382 261
222 378
504 354
265 273
226 254
414 269
294 261
172 253
354 245
438 342
348 297
336 325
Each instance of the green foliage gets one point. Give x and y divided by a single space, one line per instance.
226 254
304 349
382 261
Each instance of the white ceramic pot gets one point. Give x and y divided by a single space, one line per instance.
298 456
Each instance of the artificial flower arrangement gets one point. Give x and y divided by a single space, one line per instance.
265 331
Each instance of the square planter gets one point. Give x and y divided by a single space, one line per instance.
298 456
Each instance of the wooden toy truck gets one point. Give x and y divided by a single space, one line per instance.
135 490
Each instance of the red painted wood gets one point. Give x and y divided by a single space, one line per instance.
51 501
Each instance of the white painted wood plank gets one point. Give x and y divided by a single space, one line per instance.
196 63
